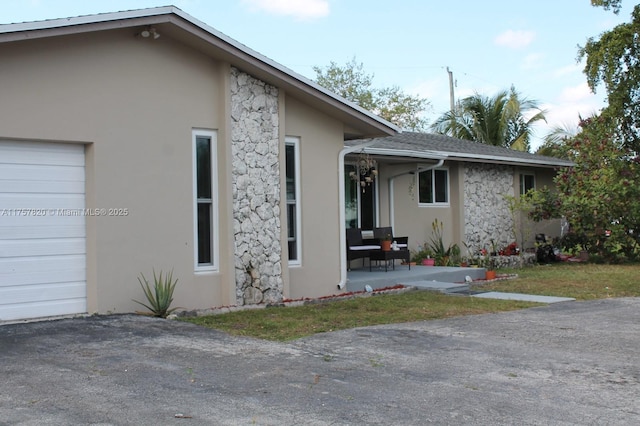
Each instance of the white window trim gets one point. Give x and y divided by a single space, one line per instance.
215 259
434 204
295 142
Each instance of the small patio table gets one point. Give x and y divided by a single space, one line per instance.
389 255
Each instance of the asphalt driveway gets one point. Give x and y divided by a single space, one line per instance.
567 363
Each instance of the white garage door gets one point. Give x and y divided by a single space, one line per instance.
42 230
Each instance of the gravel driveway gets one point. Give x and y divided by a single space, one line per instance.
567 363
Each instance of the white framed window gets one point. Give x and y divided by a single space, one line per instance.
205 200
433 187
527 183
292 173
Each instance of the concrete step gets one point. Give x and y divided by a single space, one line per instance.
445 274
441 286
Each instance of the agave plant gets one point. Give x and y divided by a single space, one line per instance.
159 297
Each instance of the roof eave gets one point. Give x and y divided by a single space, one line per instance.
496 159
429 155
437 155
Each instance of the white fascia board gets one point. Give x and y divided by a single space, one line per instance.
511 160
432 155
87 19
443 155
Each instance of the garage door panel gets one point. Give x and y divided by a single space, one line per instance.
42 293
51 264
43 277
49 219
42 247
42 230
43 153
32 172
35 186
34 232
12 201
42 309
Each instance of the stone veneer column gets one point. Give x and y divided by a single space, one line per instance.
486 211
256 190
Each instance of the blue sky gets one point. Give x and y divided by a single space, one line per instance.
488 45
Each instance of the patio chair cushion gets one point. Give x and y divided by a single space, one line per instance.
367 247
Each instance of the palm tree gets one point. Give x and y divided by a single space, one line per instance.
504 120
555 141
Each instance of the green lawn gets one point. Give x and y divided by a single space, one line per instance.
578 280
581 281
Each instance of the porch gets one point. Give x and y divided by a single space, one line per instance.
441 278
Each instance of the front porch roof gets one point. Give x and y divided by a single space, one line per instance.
413 145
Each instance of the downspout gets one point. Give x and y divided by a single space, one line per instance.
390 183
343 231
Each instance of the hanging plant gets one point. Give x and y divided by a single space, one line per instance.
366 171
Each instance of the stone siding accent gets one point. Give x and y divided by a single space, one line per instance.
256 190
486 211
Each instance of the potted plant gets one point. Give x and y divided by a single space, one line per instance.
489 264
429 261
423 256
385 243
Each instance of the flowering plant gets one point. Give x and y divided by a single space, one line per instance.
487 261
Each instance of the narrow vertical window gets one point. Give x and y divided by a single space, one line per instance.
351 198
204 199
292 172
527 183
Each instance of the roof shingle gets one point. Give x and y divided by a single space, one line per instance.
458 149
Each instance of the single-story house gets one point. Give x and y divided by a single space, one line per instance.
146 140
465 185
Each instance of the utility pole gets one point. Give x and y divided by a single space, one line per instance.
451 98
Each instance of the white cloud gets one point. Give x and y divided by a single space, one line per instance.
515 39
299 9
573 103
575 94
532 61
428 89
568 70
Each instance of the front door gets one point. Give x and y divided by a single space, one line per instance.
360 202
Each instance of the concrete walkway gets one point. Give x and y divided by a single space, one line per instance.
437 278
523 297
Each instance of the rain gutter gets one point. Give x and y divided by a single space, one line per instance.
341 213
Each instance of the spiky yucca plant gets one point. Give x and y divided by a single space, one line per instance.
161 296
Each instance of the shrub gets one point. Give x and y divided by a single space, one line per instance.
161 296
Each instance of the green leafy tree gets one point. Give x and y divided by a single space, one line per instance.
600 194
503 120
608 4
613 59
391 103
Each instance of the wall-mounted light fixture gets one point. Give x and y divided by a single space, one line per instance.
150 32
